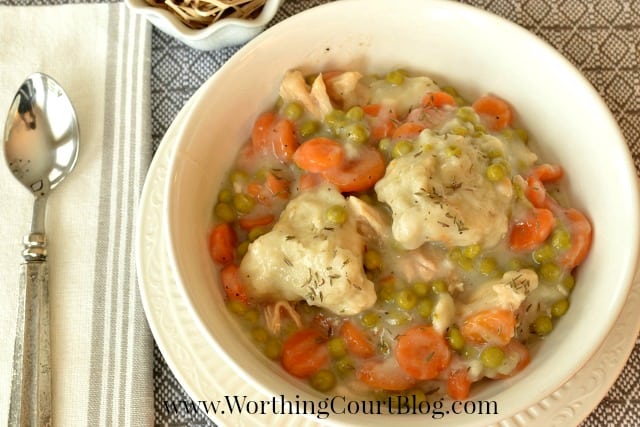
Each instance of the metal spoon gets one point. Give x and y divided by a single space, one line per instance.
41 139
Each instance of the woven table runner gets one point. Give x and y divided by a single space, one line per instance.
601 38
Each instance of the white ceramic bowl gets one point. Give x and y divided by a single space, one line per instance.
476 52
222 33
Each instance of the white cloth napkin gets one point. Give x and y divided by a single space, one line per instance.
100 342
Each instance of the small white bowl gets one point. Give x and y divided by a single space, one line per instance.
456 44
222 33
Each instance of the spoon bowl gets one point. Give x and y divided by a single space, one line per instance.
41 139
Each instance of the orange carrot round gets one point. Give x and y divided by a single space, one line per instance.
283 141
438 99
249 222
384 375
359 174
305 352
222 241
494 326
458 384
261 133
581 235
356 340
233 286
532 231
547 172
407 130
495 111
422 352
319 154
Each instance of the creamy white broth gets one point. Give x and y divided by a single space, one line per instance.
389 236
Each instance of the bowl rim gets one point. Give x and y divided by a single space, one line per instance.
268 12
627 274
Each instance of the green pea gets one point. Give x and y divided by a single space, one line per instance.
251 316
550 272
259 334
453 151
238 177
425 308
471 251
243 203
323 380
543 254
421 288
439 286
560 307
515 264
242 249
522 135
492 357
370 319
455 338
355 113
293 111
487 266
569 282
372 260
337 214
385 145
256 232
543 325
469 352
395 77
225 195
344 366
467 114
406 299
308 128
561 239
450 90
495 172
357 133
401 148
337 347
460 130
224 212
495 154
273 348
237 307
335 119
465 263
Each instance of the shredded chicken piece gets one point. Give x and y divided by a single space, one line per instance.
273 315
346 89
315 99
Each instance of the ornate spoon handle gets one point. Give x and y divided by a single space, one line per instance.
30 403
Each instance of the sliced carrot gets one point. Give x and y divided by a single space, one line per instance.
494 326
309 180
581 235
233 286
422 352
407 130
535 192
261 134
547 172
249 222
305 352
458 384
319 154
381 120
277 186
438 99
222 241
255 189
275 135
284 141
356 340
532 231
385 375
496 112
359 174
